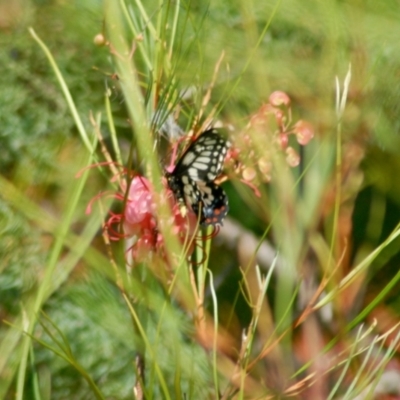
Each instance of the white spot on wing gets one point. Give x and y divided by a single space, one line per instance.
188 158
193 173
200 165
204 160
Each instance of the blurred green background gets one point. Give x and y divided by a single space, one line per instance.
291 45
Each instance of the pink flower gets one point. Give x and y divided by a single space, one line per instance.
278 98
140 220
183 224
145 245
304 132
139 208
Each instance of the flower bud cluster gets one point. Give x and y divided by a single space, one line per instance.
268 132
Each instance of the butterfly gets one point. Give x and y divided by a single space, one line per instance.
192 180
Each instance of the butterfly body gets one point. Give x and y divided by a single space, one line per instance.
192 180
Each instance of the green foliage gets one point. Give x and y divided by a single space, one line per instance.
20 251
338 222
35 117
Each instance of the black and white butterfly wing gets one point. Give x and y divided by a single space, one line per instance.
214 204
192 180
204 158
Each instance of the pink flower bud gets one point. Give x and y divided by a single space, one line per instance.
283 140
304 132
249 174
292 158
265 166
278 98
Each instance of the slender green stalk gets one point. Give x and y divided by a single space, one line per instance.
113 132
215 340
35 383
349 278
378 299
147 21
340 107
149 348
174 28
382 362
250 335
136 33
203 254
346 366
356 379
66 92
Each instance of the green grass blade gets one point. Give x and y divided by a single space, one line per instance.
67 94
